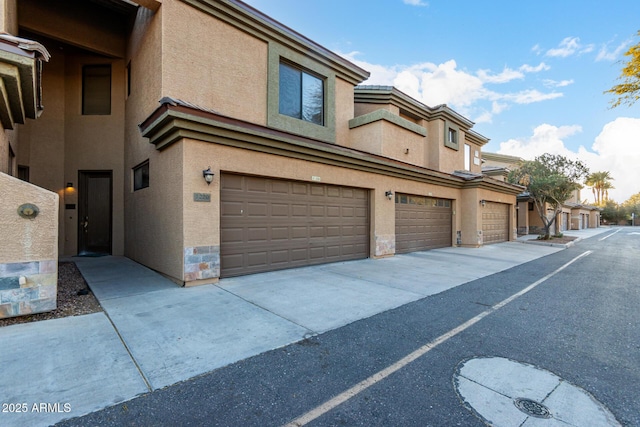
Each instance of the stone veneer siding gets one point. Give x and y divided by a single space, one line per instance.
385 245
201 262
37 295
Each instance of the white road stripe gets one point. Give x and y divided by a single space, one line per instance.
380 375
609 235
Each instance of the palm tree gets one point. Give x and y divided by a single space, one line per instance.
600 183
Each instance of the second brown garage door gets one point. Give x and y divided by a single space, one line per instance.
270 224
495 223
422 223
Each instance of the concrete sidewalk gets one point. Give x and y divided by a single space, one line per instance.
154 333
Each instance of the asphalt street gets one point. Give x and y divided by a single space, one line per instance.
581 324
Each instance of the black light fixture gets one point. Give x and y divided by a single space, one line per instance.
208 175
69 185
483 202
389 194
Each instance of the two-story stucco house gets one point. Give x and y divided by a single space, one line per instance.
204 139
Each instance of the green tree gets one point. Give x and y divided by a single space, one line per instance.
600 183
550 180
614 213
628 92
632 205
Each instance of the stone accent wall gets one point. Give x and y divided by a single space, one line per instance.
201 262
385 245
37 292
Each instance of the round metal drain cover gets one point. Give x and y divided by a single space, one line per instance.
532 408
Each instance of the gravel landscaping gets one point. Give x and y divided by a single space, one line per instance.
74 298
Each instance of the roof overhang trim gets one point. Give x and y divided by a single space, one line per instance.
20 75
176 120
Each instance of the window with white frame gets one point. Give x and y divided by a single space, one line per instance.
467 157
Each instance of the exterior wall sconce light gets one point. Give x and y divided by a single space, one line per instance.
389 194
69 185
208 175
483 202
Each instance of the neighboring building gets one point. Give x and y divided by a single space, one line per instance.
308 167
574 215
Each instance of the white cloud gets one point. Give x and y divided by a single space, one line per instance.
467 92
569 46
554 83
615 150
530 96
504 77
440 84
529 69
605 55
415 2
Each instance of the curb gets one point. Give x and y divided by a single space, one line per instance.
555 245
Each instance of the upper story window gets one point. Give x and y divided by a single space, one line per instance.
141 176
451 135
467 157
96 90
301 94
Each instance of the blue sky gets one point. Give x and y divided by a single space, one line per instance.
530 74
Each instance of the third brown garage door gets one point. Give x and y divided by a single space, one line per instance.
422 223
495 223
270 224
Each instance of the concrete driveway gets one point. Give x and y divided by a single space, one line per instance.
154 333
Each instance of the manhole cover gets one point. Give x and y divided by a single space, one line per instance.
532 408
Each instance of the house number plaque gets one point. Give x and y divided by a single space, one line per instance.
201 197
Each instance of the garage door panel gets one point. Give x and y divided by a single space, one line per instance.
422 223
316 253
291 224
299 189
279 209
255 235
256 185
317 232
495 223
299 232
333 192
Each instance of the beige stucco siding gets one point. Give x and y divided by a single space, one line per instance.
344 108
41 142
212 64
26 239
390 140
144 54
155 231
29 251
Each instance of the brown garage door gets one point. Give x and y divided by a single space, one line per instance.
422 223
495 223
271 224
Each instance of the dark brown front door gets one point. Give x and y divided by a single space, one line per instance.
94 212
